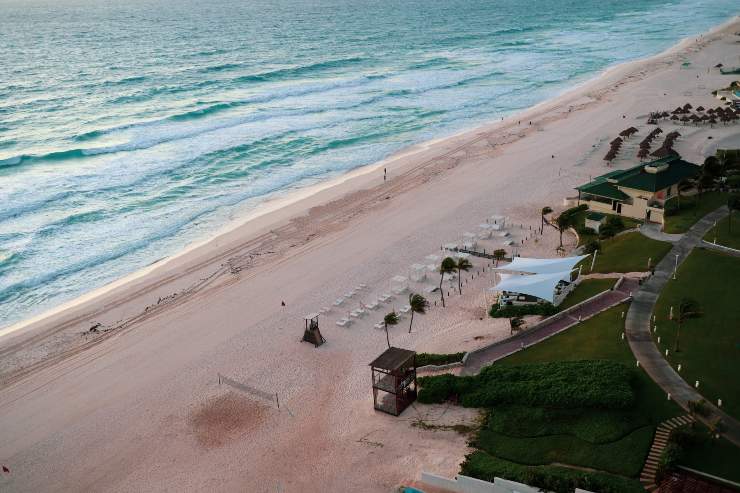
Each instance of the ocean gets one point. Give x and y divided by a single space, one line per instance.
131 129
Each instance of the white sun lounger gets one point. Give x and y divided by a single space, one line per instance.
361 286
385 298
430 289
343 322
379 325
324 310
349 294
372 305
405 309
338 301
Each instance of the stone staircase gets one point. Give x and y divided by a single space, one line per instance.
647 476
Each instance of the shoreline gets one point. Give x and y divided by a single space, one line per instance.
280 207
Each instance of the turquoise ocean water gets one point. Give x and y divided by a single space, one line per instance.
130 129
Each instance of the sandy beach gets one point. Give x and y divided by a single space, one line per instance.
136 405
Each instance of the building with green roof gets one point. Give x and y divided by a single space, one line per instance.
639 192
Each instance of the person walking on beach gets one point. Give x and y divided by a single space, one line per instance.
385 173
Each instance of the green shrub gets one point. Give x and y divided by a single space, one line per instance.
607 231
509 311
561 384
670 208
423 359
556 479
615 222
733 181
590 425
592 246
436 389
583 230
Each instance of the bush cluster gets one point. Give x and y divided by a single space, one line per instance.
510 311
556 479
611 227
423 359
562 384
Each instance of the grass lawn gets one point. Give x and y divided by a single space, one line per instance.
709 345
627 253
716 457
586 289
600 338
723 236
693 208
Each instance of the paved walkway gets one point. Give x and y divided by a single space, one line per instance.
637 327
553 325
652 231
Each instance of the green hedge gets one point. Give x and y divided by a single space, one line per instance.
562 384
591 425
423 359
510 311
551 478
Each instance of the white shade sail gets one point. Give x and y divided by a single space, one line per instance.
538 285
542 265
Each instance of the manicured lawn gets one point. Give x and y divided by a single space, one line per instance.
722 236
600 338
716 457
627 253
693 208
709 345
586 289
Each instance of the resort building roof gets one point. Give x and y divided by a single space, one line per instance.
650 177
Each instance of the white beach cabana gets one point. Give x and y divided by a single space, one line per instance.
541 286
542 265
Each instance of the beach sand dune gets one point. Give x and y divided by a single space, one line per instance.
136 406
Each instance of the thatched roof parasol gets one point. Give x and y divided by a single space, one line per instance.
700 108
687 106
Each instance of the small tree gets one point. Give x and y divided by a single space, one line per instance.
687 308
389 319
462 264
545 211
733 203
419 305
562 223
447 266
515 324
683 186
499 254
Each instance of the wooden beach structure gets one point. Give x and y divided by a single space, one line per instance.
312 333
394 380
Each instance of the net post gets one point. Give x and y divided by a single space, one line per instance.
277 400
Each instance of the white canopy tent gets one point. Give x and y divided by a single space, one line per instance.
538 285
542 265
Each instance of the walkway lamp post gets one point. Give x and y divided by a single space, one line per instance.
675 268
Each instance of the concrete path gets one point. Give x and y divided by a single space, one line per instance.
637 327
485 356
652 231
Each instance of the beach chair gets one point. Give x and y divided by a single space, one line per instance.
379 325
338 301
405 309
343 322
373 305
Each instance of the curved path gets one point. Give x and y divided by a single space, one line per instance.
653 231
637 326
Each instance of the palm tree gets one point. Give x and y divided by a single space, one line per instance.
687 308
499 254
562 223
390 319
448 266
463 264
545 211
418 304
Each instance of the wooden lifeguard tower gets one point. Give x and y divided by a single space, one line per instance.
394 380
312 333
